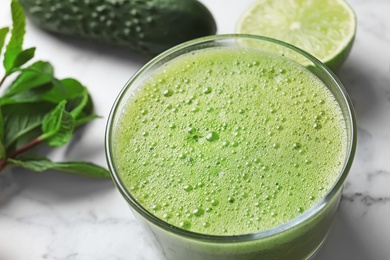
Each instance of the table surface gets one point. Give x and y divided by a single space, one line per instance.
58 216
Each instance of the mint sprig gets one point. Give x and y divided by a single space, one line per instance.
37 108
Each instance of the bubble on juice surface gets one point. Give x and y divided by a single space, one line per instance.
185 224
230 199
188 188
212 136
214 202
167 92
198 212
207 90
156 207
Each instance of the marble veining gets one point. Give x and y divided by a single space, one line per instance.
365 199
55 216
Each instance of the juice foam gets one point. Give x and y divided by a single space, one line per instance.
230 141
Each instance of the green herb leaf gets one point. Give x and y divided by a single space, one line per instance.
21 119
82 108
36 75
45 88
76 111
3 34
34 95
78 168
24 57
26 138
85 119
15 44
80 103
64 89
57 126
73 88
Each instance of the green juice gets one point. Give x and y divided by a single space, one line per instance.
231 141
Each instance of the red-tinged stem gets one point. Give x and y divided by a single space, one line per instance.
25 147
21 150
2 80
3 163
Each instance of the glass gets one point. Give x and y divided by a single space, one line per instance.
299 238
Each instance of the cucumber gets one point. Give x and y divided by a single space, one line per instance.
146 26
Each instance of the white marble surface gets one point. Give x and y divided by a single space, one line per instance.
56 216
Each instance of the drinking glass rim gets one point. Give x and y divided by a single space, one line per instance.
249 236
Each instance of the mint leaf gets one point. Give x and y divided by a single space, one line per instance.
78 168
73 88
82 109
85 119
24 57
15 44
34 95
26 138
37 74
64 89
79 103
57 126
79 106
21 119
3 34
34 85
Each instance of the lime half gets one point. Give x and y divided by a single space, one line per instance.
324 28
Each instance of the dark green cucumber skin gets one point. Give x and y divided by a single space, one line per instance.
146 26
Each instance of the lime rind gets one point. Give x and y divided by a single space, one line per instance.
326 28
